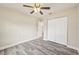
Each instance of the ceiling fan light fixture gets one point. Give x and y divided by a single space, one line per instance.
36 9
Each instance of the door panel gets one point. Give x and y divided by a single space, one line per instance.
51 30
61 31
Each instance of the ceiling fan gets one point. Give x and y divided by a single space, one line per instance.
37 8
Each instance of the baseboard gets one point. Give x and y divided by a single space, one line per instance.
14 44
73 48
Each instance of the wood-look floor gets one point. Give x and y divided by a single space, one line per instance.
39 47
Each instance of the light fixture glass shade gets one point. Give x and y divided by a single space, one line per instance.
36 9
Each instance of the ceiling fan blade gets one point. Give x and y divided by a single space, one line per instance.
32 12
27 6
45 7
41 12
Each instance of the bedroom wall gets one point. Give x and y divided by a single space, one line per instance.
16 27
71 13
78 26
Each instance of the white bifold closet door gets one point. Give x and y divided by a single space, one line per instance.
57 30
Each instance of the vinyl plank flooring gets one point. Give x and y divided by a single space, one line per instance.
39 47
2 52
10 51
53 49
31 49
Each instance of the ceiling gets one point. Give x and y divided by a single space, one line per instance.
55 7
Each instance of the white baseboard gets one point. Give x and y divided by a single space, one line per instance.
73 48
14 44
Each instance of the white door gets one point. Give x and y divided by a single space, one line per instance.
51 30
57 30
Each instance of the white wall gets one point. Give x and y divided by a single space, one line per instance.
78 25
72 25
16 27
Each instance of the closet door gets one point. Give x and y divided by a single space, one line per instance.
57 30
61 30
52 30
